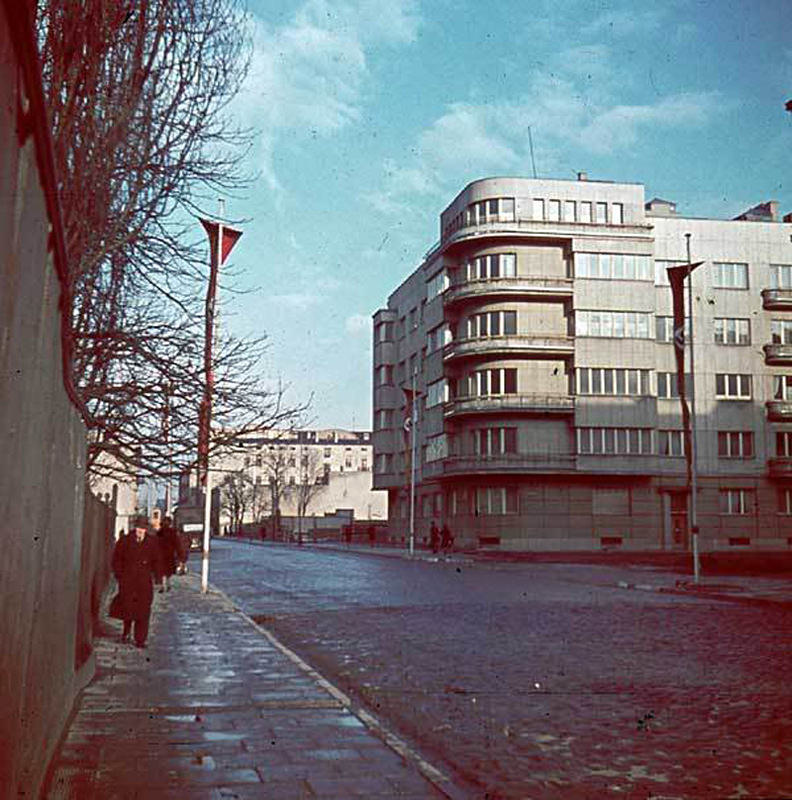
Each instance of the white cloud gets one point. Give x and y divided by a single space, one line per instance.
356 324
572 104
306 77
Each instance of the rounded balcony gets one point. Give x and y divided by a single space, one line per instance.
526 287
511 403
779 299
777 354
508 463
779 410
516 345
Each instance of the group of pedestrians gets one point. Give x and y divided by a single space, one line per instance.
440 538
141 561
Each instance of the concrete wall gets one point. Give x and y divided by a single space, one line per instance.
43 603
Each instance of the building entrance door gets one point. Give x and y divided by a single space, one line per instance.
675 521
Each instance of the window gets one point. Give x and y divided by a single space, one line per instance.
782 387
383 419
615 441
670 443
438 337
436 393
585 211
733 331
737 501
496 500
538 209
554 210
668 385
569 210
785 501
612 381
731 386
436 447
617 213
493 210
491 382
613 266
727 275
781 276
494 441
384 375
383 463
384 332
735 444
498 265
436 285
664 329
413 318
781 331
661 271
493 323
614 324
784 443
602 213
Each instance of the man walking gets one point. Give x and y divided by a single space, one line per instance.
136 566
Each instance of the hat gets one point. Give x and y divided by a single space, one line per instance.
139 521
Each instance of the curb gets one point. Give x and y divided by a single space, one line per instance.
432 774
702 593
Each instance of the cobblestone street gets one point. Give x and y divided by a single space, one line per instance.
536 680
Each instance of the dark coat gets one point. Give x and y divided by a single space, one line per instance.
170 547
136 565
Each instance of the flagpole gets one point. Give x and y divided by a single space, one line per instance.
694 528
210 387
413 423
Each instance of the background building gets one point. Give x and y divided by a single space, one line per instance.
539 331
288 479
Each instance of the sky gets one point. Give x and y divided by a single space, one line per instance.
371 115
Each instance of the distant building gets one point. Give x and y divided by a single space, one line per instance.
539 334
336 464
118 492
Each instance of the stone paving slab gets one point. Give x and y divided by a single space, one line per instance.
214 709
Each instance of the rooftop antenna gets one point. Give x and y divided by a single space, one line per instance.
530 143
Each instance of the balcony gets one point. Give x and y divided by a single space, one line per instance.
526 287
508 463
512 403
778 354
779 410
517 345
777 299
780 467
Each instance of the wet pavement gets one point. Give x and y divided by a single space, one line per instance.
215 708
544 680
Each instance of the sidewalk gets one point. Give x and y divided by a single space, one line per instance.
216 708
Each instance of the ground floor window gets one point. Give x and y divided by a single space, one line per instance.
496 500
737 502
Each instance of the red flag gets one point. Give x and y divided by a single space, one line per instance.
409 427
676 277
230 238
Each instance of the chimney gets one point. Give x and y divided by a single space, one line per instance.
582 176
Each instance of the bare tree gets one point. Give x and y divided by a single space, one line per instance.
310 481
138 94
276 471
236 497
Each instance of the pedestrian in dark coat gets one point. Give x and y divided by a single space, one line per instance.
434 537
136 566
446 539
169 545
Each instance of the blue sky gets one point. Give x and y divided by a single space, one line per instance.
372 114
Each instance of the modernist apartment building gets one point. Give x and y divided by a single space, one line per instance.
539 334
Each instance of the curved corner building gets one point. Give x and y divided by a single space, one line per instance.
539 335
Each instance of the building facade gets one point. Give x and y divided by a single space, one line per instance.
326 471
538 333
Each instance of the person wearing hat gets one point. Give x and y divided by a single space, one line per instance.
137 567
